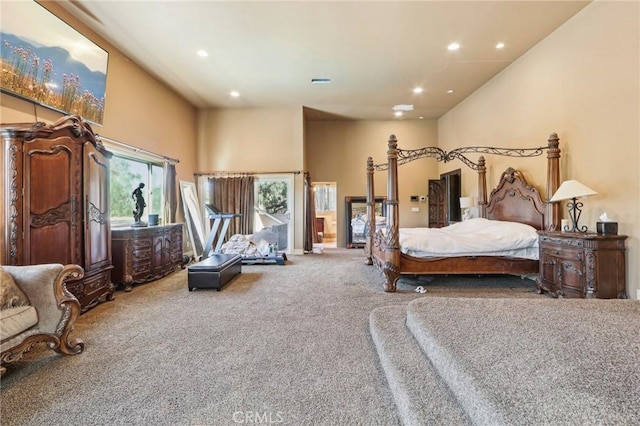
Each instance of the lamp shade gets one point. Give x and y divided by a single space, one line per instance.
466 202
572 189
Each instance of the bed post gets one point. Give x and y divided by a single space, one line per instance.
552 216
482 187
370 227
391 267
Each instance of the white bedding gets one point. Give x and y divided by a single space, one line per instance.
473 237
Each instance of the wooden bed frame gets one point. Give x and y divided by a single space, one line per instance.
513 199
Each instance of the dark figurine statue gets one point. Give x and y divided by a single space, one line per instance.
140 205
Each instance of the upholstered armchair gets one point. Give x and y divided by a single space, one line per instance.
37 308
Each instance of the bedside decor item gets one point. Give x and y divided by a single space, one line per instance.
606 226
572 190
465 204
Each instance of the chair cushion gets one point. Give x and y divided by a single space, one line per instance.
16 320
10 294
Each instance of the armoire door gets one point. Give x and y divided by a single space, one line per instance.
52 205
97 229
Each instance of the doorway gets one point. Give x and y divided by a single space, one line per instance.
273 208
444 199
326 201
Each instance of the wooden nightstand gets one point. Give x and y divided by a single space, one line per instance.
575 264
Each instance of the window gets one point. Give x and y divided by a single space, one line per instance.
126 174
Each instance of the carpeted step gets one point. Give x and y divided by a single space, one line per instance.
535 361
420 395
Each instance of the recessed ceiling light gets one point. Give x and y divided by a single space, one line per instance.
450 91
402 107
500 45
398 113
453 46
421 117
418 90
234 94
202 53
320 80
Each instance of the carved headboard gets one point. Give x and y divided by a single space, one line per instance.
515 200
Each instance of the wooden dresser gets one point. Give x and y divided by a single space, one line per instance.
145 254
575 264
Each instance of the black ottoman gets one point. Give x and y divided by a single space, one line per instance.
215 271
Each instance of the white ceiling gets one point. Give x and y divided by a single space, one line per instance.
374 52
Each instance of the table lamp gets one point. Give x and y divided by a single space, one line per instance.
572 190
465 204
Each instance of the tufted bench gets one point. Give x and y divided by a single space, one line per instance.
214 272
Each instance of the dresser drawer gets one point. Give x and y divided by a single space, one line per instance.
141 270
143 255
567 254
142 244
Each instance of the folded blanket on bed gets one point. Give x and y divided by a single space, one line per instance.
473 237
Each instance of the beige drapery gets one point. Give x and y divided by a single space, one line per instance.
310 229
234 194
170 193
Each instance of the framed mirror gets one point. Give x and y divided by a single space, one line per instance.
356 219
193 217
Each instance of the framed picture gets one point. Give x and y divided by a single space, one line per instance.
49 63
356 219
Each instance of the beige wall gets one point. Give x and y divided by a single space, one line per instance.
139 110
255 140
582 82
337 151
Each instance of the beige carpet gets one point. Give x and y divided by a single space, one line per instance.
289 343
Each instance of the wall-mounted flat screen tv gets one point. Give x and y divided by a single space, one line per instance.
49 63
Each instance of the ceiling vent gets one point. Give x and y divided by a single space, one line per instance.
402 107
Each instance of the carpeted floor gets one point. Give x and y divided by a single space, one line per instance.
280 344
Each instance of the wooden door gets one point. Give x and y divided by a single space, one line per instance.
52 205
97 228
437 203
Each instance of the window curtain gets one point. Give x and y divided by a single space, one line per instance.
170 193
310 230
234 195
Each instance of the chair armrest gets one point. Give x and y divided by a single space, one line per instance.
45 287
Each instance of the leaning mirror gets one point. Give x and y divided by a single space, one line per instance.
193 217
356 219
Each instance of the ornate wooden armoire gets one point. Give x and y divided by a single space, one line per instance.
56 196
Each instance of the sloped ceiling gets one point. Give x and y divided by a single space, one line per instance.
374 52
